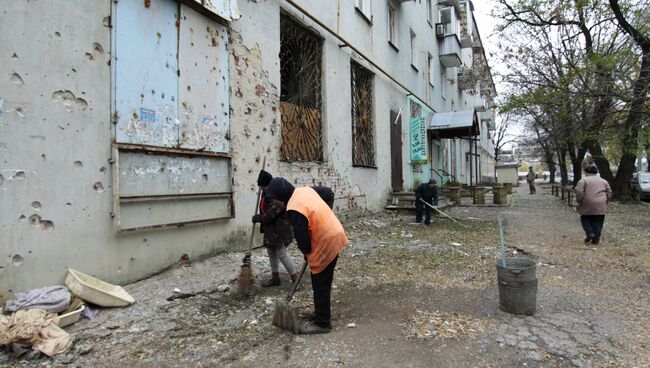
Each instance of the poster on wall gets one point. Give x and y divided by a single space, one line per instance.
417 119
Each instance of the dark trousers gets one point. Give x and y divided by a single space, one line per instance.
593 225
418 212
321 284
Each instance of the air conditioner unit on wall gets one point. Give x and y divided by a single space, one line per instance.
441 30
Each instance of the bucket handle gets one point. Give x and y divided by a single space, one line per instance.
516 272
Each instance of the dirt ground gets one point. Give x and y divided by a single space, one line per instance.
404 295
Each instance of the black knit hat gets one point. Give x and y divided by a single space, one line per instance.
279 189
264 178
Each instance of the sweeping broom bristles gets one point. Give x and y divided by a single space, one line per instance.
246 279
286 317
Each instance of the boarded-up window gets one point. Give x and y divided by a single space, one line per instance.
300 100
363 143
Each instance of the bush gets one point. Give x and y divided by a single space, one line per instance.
453 183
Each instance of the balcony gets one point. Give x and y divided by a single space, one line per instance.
466 24
486 116
449 50
454 3
466 80
480 105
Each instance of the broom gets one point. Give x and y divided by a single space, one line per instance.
285 316
246 279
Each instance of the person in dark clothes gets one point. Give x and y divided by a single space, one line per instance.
320 237
429 193
276 228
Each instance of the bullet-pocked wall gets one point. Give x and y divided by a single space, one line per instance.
57 126
61 111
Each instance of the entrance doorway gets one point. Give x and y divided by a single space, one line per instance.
396 151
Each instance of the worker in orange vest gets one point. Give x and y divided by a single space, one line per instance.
320 237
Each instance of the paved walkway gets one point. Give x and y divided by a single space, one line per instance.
405 296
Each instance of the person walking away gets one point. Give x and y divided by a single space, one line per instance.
320 237
592 196
530 178
429 193
275 226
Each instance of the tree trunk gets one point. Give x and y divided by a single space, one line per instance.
636 115
576 162
562 164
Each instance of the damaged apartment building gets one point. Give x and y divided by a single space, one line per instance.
132 131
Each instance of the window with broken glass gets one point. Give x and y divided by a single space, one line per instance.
363 142
300 99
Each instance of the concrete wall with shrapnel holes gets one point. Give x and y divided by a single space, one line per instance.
57 126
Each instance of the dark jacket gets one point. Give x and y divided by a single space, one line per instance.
275 224
326 194
429 194
282 190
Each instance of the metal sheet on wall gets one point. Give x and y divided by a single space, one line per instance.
204 83
142 215
143 174
146 73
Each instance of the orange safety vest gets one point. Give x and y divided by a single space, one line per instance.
326 232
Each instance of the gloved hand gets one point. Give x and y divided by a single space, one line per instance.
257 218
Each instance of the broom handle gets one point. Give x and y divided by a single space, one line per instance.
294 288
502 247
444 214
257 207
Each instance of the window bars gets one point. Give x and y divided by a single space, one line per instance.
300 100
363 145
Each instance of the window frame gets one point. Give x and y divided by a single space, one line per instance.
430 61
414 53
364 8
289 153
358 70
392 27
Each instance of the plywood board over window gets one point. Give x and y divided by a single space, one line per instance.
300 99
363 134
171 108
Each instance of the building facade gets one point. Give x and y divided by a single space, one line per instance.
132 131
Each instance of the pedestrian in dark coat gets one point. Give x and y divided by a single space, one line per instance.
592 195
429 193
277 232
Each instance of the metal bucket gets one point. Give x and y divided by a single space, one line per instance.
517 286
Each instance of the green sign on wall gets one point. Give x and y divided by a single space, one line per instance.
418 124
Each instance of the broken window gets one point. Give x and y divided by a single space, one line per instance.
300 99
363 143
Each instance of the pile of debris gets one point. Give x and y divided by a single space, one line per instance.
428 325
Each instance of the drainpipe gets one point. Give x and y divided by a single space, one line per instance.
346 43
